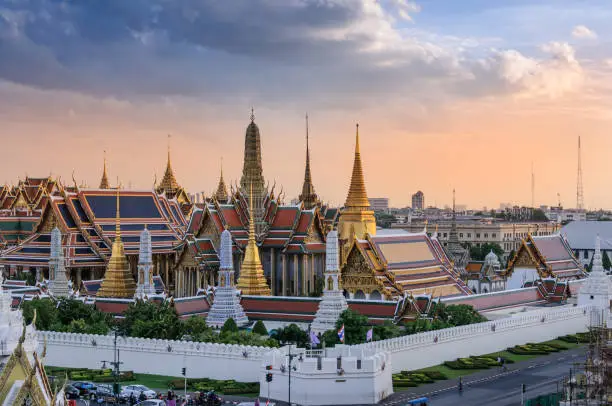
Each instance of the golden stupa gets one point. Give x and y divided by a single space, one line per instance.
118 281
251 280
356 216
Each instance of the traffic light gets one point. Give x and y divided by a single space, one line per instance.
268 377
184 371
524 388
268 367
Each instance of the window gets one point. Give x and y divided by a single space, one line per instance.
477 235
444 235
469 235
493 235
586 254
461 235
486 235
358 364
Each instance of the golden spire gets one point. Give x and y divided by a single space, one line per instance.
118 281
251 280
308 196
221 194
357 196
168 183
104 181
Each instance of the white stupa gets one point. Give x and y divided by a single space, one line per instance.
226 302
145 287
58 283
597 289
333 302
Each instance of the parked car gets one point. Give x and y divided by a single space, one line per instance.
136 390
85 388
105 394
71 392
152 402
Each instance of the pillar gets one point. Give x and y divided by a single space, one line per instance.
79 277
175 282
296 275
312 272
272 272
284 274
304 275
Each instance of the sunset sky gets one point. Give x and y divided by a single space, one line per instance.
448 94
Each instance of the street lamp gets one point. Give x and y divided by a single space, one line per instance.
116 363
291 356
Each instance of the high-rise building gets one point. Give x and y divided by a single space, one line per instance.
379 203
418 201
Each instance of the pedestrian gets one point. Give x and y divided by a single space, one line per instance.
257 402
460 386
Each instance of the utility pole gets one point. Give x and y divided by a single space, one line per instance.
115 364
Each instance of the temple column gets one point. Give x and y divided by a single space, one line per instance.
284 275
304 274
175 282
272 272
296 275
312 273
79 277
199 279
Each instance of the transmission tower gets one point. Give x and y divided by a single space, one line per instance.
579 190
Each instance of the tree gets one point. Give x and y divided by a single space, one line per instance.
229 326
386 330
260 328
195 326
330 338
46 312
151 320
383 219
478 253
538 215
355 326
292 334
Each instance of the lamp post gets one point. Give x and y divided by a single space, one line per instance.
115 363
290 356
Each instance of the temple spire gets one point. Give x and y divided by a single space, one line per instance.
221 194
104 184
118 281
357 195
251 280
169 185
252 173
308 196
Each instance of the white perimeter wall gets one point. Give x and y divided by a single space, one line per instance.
434 347
221 361
142 355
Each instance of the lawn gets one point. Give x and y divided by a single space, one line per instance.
151 381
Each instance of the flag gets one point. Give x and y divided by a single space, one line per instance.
314 340
370 335
341 334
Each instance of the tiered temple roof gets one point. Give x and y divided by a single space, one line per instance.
86 219
550 256
391 265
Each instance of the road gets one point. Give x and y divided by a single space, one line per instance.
541 376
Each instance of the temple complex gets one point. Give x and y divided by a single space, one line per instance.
485 276
118 280
543 257
226 302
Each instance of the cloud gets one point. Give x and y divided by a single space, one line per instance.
583 32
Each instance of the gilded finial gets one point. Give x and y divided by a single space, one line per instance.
118 216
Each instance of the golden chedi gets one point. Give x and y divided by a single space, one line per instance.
252 280
118 281
356 216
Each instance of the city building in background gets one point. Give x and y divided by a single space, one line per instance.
418 201
379 204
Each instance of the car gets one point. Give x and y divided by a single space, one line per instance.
85 388
152 402
105 394
136 390
71 392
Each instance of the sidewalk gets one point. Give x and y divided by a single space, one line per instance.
432 389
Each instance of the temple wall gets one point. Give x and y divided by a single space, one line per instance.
434 347
354 379
159 357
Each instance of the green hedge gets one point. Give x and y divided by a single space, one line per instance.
228 387
535 349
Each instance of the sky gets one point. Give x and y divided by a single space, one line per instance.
466 95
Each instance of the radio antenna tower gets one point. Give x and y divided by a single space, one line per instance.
579 189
